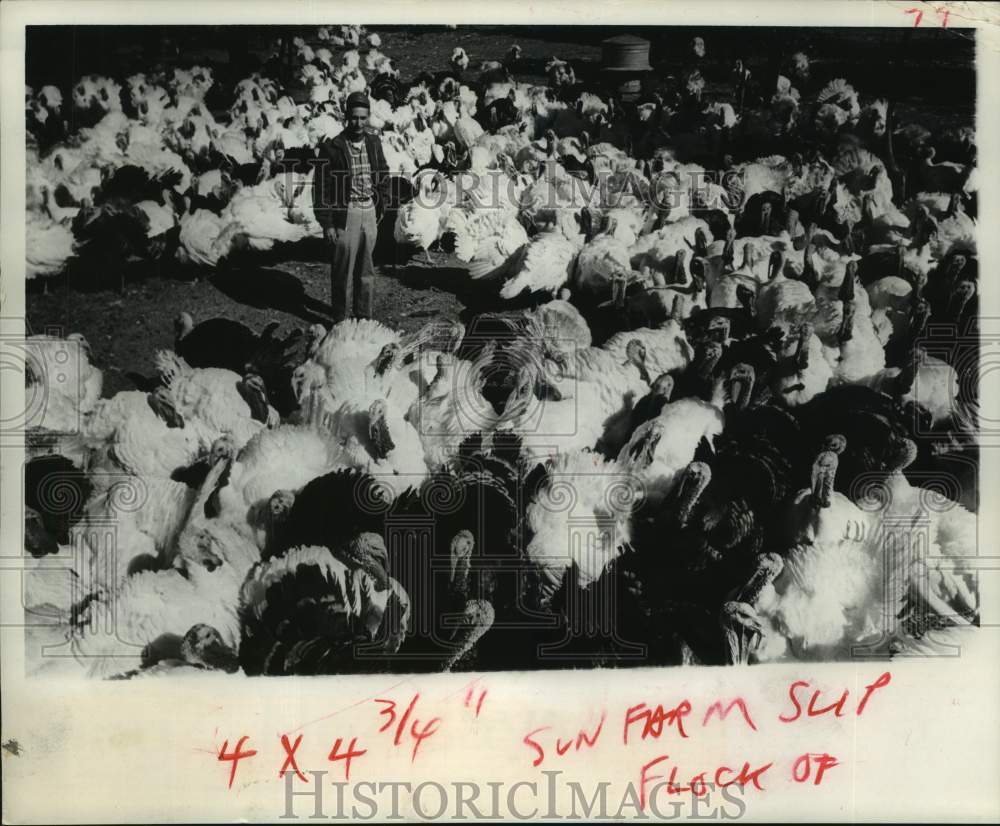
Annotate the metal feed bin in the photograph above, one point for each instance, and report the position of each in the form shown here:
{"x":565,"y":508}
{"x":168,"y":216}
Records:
{"x":624,"y":65}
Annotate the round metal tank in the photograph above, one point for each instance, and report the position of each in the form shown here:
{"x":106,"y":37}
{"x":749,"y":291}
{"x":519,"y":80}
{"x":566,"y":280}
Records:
{"x":625,"y":53}
{"x":624,"y":64}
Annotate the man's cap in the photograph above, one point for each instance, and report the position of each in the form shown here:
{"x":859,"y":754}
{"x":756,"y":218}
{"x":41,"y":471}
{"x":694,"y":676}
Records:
{"x":357,"y":100}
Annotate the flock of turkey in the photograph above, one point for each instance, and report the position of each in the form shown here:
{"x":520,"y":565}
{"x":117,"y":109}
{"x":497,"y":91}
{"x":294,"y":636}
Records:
{"x":703,"y":424}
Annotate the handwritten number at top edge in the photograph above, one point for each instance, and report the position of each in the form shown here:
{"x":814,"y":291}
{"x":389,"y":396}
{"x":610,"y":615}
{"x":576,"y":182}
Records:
{"x":919,"y":15}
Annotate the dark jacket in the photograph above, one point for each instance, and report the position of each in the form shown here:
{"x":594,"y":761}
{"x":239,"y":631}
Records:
{"x":332,"y":181}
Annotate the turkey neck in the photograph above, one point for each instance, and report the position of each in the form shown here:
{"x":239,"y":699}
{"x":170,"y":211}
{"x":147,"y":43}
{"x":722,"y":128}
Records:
{"x":744,"y":380}
{"x":729,"y":250}
{"x":378,"y":432}
{"x":768,"y":567}
{"x":692,"y":486}
{"x":846,"y":331}
{"x":679,"y":275}
{"x":823,"y":473}
{"x":777,"y":265}
{"x":707,"y":360}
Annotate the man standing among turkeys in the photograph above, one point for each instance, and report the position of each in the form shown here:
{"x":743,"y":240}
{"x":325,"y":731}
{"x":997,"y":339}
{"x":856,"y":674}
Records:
{"x":348,"y":201}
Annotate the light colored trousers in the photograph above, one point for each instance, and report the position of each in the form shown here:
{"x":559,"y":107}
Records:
{"x":352,"y":274}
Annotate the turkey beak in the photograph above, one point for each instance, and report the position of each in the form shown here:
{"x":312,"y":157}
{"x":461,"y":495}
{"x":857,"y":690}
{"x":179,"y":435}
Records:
{"x":693,"y":484}
{"x":163,"y":406}
{"x":255,"y":395}
{"x":378,"y":430}
{"x":824,"y":470}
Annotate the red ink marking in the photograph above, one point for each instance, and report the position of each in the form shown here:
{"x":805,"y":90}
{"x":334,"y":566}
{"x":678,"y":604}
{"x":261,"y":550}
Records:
{"x":645,"y":778}
{"x":672,"y":787}
{"x":944,"y":21}
{"x":290,"y":757}
{"x":653,"y":720}
{"x":418,"y":734}
{"x":698,"y":782}
{"x":919,"y":16}
{"x":881,"y":682}
{"x":468,"y":698}
{"x":342,"y":710}
{"x":795,"y":702}
{"x":347,"y":756}
{"x":534,"y":745}
{"x":582,"y":737}
{"x":716,"y":708}
{"x":581,"y":740}
{"x":421,"y":735}
{"x":837,"y":708}
{"x":747,"y":777}
{"x":235,"y":756}
{"x":390,"y":712}
{"x":802,"y":769}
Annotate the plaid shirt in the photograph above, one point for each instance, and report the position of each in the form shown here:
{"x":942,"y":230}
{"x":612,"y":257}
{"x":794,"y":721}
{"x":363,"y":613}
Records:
{"x":361,"y":174}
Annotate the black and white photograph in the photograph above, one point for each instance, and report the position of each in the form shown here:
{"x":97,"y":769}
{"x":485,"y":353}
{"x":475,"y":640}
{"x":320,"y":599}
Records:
{"x":408,"y":348}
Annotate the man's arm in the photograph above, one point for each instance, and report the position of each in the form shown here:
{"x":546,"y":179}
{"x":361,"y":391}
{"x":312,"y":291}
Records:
{"x":380,"y":177}
{"x":329,"y":182}
{"x":322,"y":187}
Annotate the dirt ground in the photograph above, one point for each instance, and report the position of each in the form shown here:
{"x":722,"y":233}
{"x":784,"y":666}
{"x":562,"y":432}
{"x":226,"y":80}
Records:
{"x":126,"y":329}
